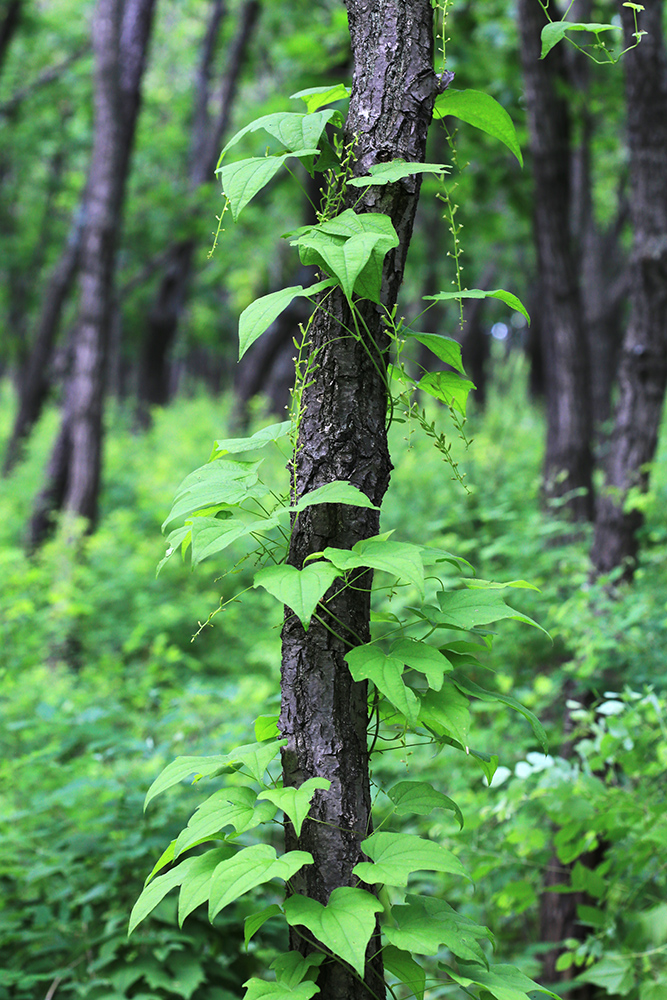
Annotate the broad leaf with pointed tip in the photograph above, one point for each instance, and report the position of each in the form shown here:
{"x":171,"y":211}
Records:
{"x":424,"y":658}
{"x":294,"y":130}
{"x":445,"y":348}
{"x":260,"y":989}
{"x":481,"y":110}
{"x":248,"y":868}
{"x":504,"y":982}
{"x":370,"y":663}
{"x":215,"y":484}
{"x":420,"y":798}
{"x":448,"y":387}
{"x":158,"y":888}
{"x":344,"y":925}
{"x":468,"y":609}
{"x":400,"y":559}
{"x":555,"y":31}
{"x":291,"y":967}
{"x":244,"y":179}
{"x":469,"y":687}
{"x":424,"y":925}
{"x":257,"y":441}
{"x":295,"y":802}
{"x":397,"y":855}
{"x":235,"y":807}
{"x":316,"y":97}
{"x":255,"y":921}
{"x":260,"y":314}
{"x":300,"y":589}
{"x":447,"y":711}
{"x":478,"y":293}
{"x":403,"y":967}
{"x":339,"y":491}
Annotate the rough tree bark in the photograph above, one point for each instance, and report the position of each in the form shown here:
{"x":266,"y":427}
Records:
{"x":643,"y":366}
{"x":568,"y":460}
{"x":167,"y":309}
{"x":121,"y":31}
{"x":343,"y":436}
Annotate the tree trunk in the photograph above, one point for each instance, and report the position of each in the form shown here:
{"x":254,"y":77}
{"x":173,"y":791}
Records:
{"x":165,"y":314}
{"x":568,"y":461}
{"x":643,"y":367}
{"x":9,"y":24}
{"x":120,"y":39}
{"x":343,"y":436}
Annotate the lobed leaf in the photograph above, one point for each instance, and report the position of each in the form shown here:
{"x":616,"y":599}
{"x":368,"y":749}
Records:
{"x":468,"y":609}
{"x":370,"y":663}
{"x":300,"y":589}
{"x":295,"y":802}
{"x":420,"y":798}
{"x":227,"y":807}
{"x":397,"y":855}
{"x":251,"y":867}
{"x":316,"y":97}
{"x":220,"y":482}
{"x":424,"y":658}
{"x":294,"y":130}
{"x":425,"y":925}
{"x":400,"y":559}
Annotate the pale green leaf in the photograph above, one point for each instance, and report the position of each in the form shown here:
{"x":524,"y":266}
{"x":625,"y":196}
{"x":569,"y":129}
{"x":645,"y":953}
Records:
{"x":213,"y":485}
{"x":403,"y":967}
{"x":293,"y":130}
{"x":468,"y":609}
{"x":424,"y":658}
{"x":156,"y":890}
{"x":420,"y":798}
{"x":244,"y":179}
{"x":260,"y":989}
{"x":300,"y":589}
{"x":447,"y":710}
{"x":448,"y":387}
{"x":476,"y":584}
{"x":555,"y":31}
{"x":257,"y":441}
{"x":291,"y":967}
{"x":197,"y":883}
{"x":227,"y":807}
{"x":504,"y":982}
{"x":481,"y":110}
{"x":400,"y":559}
{"x":266,"y":728}
{"x":397,"y":855}
{"x":165,"y":859}
{"x":395,"y":170}
{"x":174,"y":541}
{"x":252,"y":866}
{"x":211,"y":534}
{"x":425,"y":925}
{"x":316,"y":97}
{"x":344,"y":925}
{"x":295,"y":802}
{"x":260,"y":314}
{"x":339,"y":491}
{"x":370,"y":663}
{"x":255,"y":921}
{"x":615,"y":972}
{"x":445,"y":348}
{"x":477,"y":293}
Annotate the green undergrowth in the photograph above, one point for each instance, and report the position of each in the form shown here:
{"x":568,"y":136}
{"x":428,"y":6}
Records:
{"x":102,"y":685}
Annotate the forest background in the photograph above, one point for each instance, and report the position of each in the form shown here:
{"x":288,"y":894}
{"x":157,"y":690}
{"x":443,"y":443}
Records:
{"x":565,"y":476}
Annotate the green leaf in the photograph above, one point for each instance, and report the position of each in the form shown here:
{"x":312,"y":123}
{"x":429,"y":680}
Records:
{"x":470,"y":688}
{"x":156,"y":890}
{"x":447,"y":710}
{"x":481,"y":110}
{"x":467,"y":609}
{"x":425,"y":925}
{"x":316,"y":97}
{"x":220,"y":482}
{"x":400,"y":559}
{"x":266,"y":728}
{"x":260,"y":314}
{"x":476,"y":584}
{"x":252,"y":866}
{"x":165,"y":859}
{"x":424,"y":658}
{"x":445,"y":348}
{"x":403,"y":967}
{"x":448,"y":387}
{"x":174,"y":540}
{"x":255,"y":921}
{"x":477,"y":293}
{"x":255,"y":756}
{"x":244,"y":179}
{"x":259,"y":989}
{"x":211,"y":535}
{"x":344,"y":925}
{"x":615,"y":972}
{"x":395,"y":170}
{"x":259,"y":440}
{"x":300,"y":589}
{"x":555,"y":31}
{"x":197,"y":883}
{"x":339,"y":491}
{"x":295,"y":802}
{"x":502,"y":981}
{"x":397,"y":855}
{"x":370,"y":663}
{"x":293,"y":130}
{"x":228,"y":807}
{"x":420,"y":798}
{"x":291,"y":967}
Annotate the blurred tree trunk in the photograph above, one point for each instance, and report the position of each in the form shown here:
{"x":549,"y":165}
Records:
{"x":342,"y":435}
{"x":121,"y":31}
{"x":10,"y":19}
{"x":643,"y":366}
{"x":206,"y":140}
{"x":568,"y":460}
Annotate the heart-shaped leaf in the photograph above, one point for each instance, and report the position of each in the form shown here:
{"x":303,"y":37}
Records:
{"x":344,"y":925}
{"x":420,"y":798}
{"x":370,"y":663}
{"x":248,"y":868}
{"x":300,"y":589}
{"x":295,"y":802}
{"x":424,"y":658}
{"x":398,"y":855}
